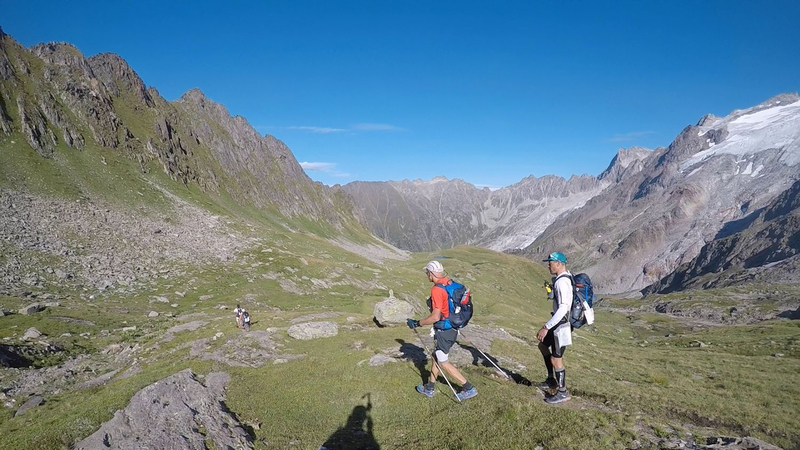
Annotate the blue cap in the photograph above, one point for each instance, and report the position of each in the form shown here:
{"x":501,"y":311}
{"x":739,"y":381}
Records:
{"x":557,"y":256}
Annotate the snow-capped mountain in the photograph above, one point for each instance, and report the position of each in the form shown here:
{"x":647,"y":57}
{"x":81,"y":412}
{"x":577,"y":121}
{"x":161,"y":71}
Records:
{"x":714,"y":174}
{"x":645,"y":215}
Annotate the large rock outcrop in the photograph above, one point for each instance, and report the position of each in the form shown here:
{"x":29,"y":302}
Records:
{"x":176,"y":412}
{"x":392,"y":312}
{"x":313,"y":330}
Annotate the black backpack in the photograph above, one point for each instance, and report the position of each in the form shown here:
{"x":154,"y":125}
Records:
{"x":581,"y":312}
{"x":459,"y":300}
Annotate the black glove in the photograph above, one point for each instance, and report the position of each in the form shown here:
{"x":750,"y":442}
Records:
{"x":412,"y":323}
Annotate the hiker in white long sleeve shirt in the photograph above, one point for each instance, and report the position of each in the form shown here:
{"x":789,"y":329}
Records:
{"x":556,"y":334}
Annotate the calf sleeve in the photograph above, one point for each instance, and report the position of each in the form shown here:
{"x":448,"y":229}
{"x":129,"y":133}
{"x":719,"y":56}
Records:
{"x":549,"y":364}
{"x":561,"y":376}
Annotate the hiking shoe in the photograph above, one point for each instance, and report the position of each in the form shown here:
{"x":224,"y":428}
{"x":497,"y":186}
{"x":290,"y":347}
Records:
{"x":463,"y":395}
{"x":549,"y":383}
{"x":558,"y":397}
{"x":427,"y":392}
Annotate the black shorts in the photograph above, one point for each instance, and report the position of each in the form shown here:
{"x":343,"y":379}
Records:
{"x":550,"y":343}
{"x":445,"y":339}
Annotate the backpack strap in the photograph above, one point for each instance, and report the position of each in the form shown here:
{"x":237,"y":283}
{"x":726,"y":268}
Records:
{"x":444,"y":324}
{"x":565,"y":319}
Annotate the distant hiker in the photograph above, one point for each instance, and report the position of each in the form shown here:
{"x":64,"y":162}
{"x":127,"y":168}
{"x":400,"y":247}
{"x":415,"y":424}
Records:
{"x":444,"y":334}
{"x":246,"y":320}
{"x":238,"y":314}
{"x":556,"y":334}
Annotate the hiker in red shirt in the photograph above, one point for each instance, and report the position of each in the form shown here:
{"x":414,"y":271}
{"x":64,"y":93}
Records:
{"x":444,"y":334}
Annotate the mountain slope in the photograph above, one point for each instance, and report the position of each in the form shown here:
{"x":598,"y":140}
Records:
{"x":93,"y":162}
{"x":419,"y":215}
{"x":766,"y":250}
{"x":440,"y":213}
{"x":54,"y":96}
{"x":717,"y":171}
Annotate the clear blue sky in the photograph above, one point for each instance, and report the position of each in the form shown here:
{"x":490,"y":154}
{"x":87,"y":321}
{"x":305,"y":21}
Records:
{"x":489,"y":92}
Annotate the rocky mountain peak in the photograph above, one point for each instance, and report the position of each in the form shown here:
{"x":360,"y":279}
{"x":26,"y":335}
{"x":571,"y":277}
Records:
{"x":194,"y":96}
{"x":59,"y":53}
{"x":625,"y":162}
{"x":118,"y":76}
{"x":785,"y":98}
{"x":432,"y":181}
{"x":707,"y":120}
{"x":780,"y":100}
{"x":197,"y":101}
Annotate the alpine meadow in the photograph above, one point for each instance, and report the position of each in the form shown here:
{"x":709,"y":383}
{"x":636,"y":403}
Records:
{"x":132,"y":227}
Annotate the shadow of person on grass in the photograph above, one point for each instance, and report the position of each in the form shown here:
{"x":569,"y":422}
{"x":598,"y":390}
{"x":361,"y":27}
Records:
{"x":357,"y":433}
{"x":479,"y":360}
{"x":415,"y":354}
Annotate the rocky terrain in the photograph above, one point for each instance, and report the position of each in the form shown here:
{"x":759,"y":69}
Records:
{"x":55,"y":97}
{"x":50,"y":243}
{"x":766,"y":249}
{"x":177,"y":412}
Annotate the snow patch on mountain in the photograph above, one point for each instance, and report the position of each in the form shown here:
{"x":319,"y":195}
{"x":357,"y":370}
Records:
{"x":752,"y":132}
{"x":530,"y":218}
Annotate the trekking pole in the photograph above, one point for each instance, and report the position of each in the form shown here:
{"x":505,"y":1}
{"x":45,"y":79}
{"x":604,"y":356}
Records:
{"x":437,"y":364}
{"x":484,"y":355}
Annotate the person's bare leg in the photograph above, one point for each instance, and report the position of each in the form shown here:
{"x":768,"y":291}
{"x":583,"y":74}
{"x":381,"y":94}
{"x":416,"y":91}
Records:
{"x":434,"y":371}
{"x":454,"y":372}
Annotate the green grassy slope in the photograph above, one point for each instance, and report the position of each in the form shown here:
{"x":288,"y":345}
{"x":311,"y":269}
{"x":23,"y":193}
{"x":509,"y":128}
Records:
{"x":630,"y":374}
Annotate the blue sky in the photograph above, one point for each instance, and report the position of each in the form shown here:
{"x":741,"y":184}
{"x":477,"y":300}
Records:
{"x":489,"y":92}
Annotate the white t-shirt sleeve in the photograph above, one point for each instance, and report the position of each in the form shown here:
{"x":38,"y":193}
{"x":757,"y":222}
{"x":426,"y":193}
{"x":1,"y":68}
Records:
{"x":563,"y":288}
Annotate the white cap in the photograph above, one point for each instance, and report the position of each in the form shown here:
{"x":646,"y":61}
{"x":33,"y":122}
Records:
{"x":435,"y":267}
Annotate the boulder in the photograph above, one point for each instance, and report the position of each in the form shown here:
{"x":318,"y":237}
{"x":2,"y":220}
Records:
{"x":63,"y":275}
{"x":392,"y":312}
{"x":31,"y":333}
{"x":152,"y":314}
{"x":33,"y":308}
{"x":313,"y":330}
{"x":176,"y":412}
{"x":30,"y":404}
{"x":98,"y":381}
